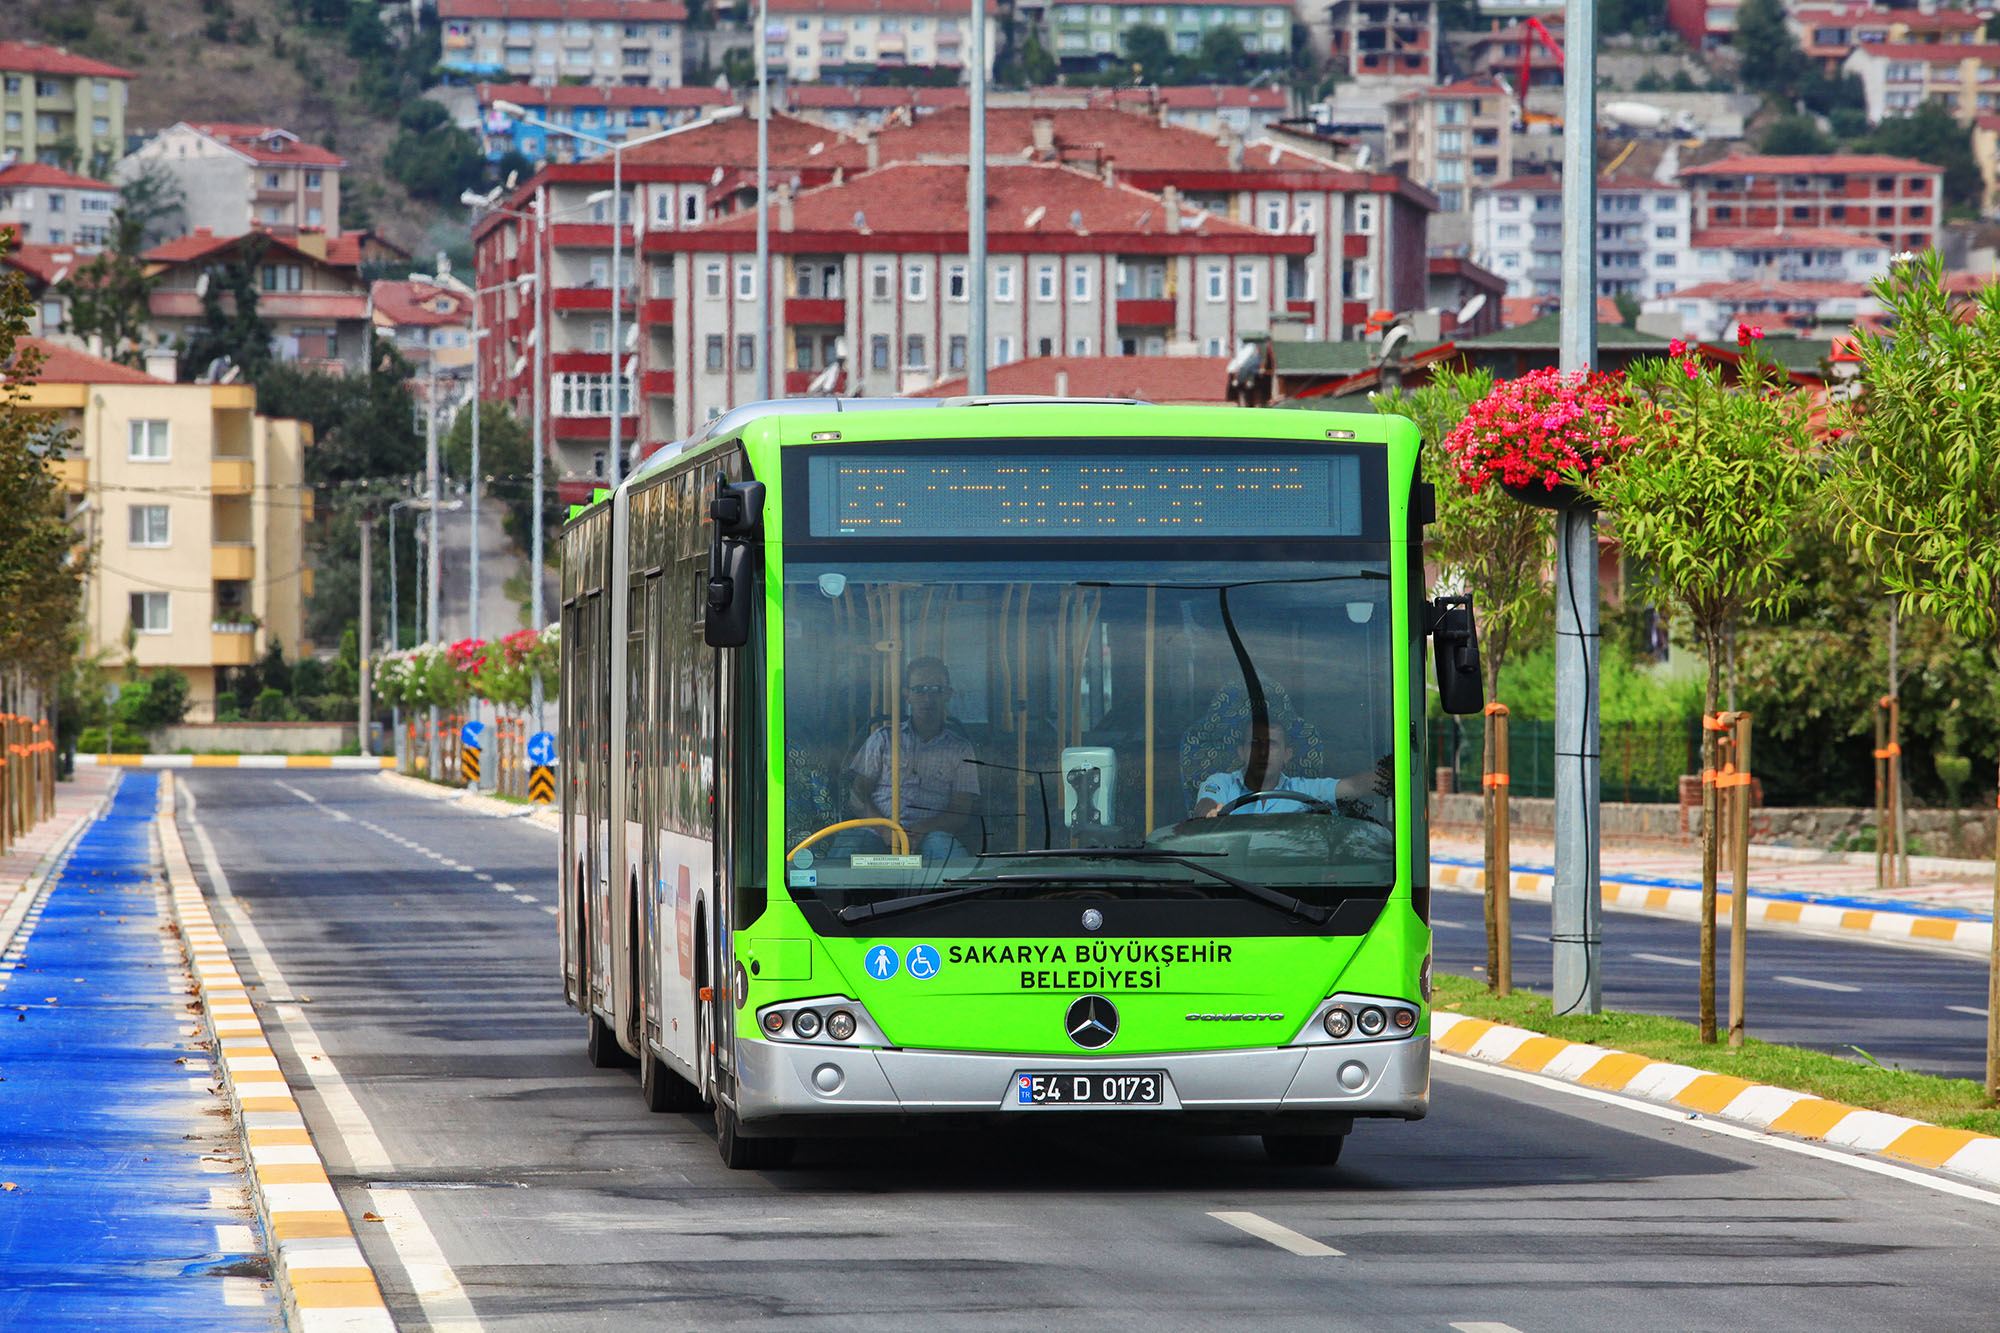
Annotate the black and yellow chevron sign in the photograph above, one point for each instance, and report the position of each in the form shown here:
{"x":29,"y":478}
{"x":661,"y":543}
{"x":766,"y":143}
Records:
{"x":468,"y":762}
{"x":542,"y":785}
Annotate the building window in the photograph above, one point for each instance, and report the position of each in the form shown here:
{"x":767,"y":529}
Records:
{"x":711,"y":280}
{"x":878,"y":352}
{"x":1003,"y":282}
{"x":147,"y":442}
{"x":955,"y":284}
{"x":956,"y":353}
{"x":914,"y":352}
{"x":1045,"y":282}
{"x":150,"y":613}
{"x":281,"y":278}
{"x":878,"y":282}
{"x":746,"y":280}
{"x":1246,"y":282}
{"x":1215,"y":282}
{"x":715,"y":352}
{"x":746,"y":351}
{"x":148,"y":525}
{"x":1079,"y":347}
{"x":1003,"y":350}
{"x":916,"y":282}
{"x":1079,"y":282}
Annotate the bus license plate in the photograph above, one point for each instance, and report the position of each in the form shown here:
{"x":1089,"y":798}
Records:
{"x":1124,"y":1088}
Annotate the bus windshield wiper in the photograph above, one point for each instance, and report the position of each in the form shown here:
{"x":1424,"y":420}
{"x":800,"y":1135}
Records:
{"x":971,"y":888}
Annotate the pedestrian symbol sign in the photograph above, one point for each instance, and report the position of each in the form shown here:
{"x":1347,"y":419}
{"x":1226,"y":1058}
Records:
{"x":922,"y":962}
{"x":542,"y":750}
{"x":882,"y":962}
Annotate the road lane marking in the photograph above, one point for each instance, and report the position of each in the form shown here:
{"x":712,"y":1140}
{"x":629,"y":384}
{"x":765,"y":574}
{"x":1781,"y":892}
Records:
{"x":1974,"y":1010}
{"x":1450,"y":925}
{"x":308,"y":797}
{"x":550,"y":910}
{"x":1811,"y":984}
{"x":1476,"y":1326}
{"x":1263,"y":1228}
{"x":1709,"y":1125}
{"x":444,"y":1301}
{"x":524,"y":897}
{"x":1667,"y":958}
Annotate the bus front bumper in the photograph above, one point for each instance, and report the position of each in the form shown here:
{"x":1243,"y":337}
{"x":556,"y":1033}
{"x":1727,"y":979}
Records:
{"x":1266,"y":1089}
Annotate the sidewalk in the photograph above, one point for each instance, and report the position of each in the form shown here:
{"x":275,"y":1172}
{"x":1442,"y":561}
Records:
{"x":1947,"y":902}
{"x":123,"y":1197}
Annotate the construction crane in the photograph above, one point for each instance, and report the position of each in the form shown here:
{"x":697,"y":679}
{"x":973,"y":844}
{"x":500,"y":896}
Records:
{"x":1531,"y":32}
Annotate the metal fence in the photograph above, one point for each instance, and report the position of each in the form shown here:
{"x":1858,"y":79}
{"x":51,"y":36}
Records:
{"x":1642,"y":761}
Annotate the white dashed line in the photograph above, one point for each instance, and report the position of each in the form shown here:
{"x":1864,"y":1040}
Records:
{"x":550,"y":910}
{"x":524,"y":897}
{"x":1263,"y":1228}
{"x":482,"y":877}
{"x":1811,"y":984}
{"x":1974,"y":1010}
{"x":1667,"y":959}
{"x":1477,"y":1326}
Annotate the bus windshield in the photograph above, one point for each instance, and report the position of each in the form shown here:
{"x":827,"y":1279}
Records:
{"x":1149,"y":726}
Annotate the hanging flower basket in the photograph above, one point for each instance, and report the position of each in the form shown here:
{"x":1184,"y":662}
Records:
{"x":1542,"y":437}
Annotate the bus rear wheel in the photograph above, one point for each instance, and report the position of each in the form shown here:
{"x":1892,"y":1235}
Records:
{"x":741,"y":1154}
{"x":663,"y":1089}
{"x":1304,"y":1149}
{"x":602,"y":1046}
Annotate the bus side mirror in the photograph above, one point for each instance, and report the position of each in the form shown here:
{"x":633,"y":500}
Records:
{"x":738,"y":515}
{"x":1455,"y":645}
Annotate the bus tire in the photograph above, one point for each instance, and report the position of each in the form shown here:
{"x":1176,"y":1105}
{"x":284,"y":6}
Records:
{"x":1304,"y":1149}
{"x":602,"y":1046}
{"x":741,"y":1154}
{"x":663,"y":1088}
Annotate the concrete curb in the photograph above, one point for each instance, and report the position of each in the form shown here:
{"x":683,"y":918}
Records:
{"x":238,"y":760}
{"x":324,"y":1282}
{"x":473,"y":802}
{"x":1960,"y":1151}
{"x":1944,"y":929}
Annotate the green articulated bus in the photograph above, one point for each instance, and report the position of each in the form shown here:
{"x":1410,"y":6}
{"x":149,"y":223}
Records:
{"x":1004,"y":759}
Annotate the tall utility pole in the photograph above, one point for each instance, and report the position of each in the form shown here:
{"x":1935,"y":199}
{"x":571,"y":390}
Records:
{"x":367,"y":525}
{"x":472,"y":482}
{"x":975,"y":210}
{"x":617,"y":299}
{"x":431,"y":560}
{"x":541,"y":419}
{"x":1576,"y":926}
{"x":766,"y":344}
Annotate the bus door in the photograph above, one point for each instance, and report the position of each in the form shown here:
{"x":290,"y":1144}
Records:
{"x":571,"y":933}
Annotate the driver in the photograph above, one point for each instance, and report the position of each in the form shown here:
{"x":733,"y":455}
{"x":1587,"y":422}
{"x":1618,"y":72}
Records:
{"x":940,"y":785}
{"x":1219,"y":789}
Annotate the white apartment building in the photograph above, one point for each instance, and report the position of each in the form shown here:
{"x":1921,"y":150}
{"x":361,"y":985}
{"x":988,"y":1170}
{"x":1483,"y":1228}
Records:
{"x":1787,"y":255}
{"x":46,"y":205}
{"x":830,"y":41}
{"x":633,"y":43}
{"x":1645,"y":236}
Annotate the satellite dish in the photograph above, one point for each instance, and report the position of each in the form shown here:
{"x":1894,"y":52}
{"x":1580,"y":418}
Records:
{"x":631,"y":336}
{"x":1471,"y":308}
{"x":444,"y":265}
{"x":1035,"y":215}
{"x":1076,"y":219}
{"x":201,"y":285}
{"x":1396,"y":338}
{"x":512,"y":176}
{"x":715,"y":177}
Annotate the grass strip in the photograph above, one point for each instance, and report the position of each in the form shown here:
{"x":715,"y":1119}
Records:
{"x":1956,"y":1103}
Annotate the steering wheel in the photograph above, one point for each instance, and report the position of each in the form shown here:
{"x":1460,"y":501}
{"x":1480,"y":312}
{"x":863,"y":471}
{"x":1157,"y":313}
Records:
{"x":1312,"y":803}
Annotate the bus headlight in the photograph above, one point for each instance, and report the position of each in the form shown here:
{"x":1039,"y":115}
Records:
{"x":840,"y":1025}
{"x":1338,"y":1022}
{"x":822,"y":1021}
{"x":1371,"y":1022}
{"x":1356,"y":1018}
{"x":806,"y":1023}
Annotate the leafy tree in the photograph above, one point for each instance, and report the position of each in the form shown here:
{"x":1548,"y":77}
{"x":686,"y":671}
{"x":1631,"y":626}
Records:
{"x":109,"y":295}
{"x":432,"y":158}
{"x":1037,"y":64}
{"x":1794,"y":136}
{"x":1221,"y":57}
{"x":1710,"y":498}
{"x":1917,"y":479}
{"x":1771,"y":59}
{"x":1931,"y":134}
{"x":40,"y":576}
{"x":364,"y":426}
{"x":160,"y":700}
{"x":1628,"y":309}
{"x":1149,"y":48}
{"x":506,"y":461}
{"x":231,"y":326}
{"x":739,"y":67}
{"x":154,"y":199}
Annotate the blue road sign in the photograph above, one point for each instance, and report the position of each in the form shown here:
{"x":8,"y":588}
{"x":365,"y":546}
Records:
{"x":882,"y":962}
{"x":922,"y":962}
{"x":470,"y":733}
{"x":542,"y":750}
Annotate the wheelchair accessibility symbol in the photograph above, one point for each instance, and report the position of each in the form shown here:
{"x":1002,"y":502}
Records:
{"x":922,"y":962}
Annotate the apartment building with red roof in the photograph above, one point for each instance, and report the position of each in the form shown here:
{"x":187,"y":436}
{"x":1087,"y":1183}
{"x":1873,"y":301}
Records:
{"x":1898,"y":201}
{"x":60,"y":109}
{"x":627,"y":43}
{"x":1827,"y":34}
{"x":839,"y":41}
{"x":1705,"y":25}
{"x":610,"y":113}
{"x":1899,"y":77}
{"x":1788,"y":254}
{"x":1710,"y":311}
{"x":311,"y":294}
{"x":1453,"y":139}
{"x":1151,"y":379}
{"x":44,"y":205}
{"x":236,"y":177}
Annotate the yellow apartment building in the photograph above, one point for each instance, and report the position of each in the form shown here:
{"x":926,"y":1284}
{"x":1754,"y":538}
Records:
{"x":195,"y":508}
{"x":59,"y":109}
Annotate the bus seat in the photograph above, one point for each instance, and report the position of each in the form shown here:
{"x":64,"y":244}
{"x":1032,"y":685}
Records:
{"x":1210,"y":745}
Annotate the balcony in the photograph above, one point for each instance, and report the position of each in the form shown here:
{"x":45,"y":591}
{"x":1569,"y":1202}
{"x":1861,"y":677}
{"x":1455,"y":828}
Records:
{"x":656,"y":383}
{"x":1145,"y":312}
{"x":232,"y":560}
{"x":588,"y":299}
{"x":231,"y":476}
{"x":1354,"y":312}
{"x":815,"y":310}
{"x":799,"y":382}
{"x":658,"y":310}
{"x":1307,"y":308}
{"x":1354,"y":245}
{"x":232,"y":645}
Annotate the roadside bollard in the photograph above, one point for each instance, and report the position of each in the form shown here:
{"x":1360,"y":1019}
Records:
{"x":1738,"y":784}
{"x":1713,"y":728}
{"x":1495,"y":782}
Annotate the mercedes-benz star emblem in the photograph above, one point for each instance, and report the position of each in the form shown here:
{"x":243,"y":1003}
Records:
{"x":1092,"y":1022}
{"x":1092,"y":918}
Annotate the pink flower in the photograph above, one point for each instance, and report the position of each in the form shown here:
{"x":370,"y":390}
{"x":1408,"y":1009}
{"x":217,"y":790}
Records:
{"x":1690,"y":368}
{"x":1677,"y":348}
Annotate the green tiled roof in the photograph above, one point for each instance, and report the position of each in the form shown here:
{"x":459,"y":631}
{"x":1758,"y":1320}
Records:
{"x":1546,"y":331}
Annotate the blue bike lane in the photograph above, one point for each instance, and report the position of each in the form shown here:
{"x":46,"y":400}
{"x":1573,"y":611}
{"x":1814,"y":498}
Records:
{"x":123,"y":1197}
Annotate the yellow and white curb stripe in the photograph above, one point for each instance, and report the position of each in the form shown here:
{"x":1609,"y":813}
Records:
{"x":325,"y":1284}
{"x":368,"y":762}
{"x":1905,"y":927}
{"x":1723,"y":1096}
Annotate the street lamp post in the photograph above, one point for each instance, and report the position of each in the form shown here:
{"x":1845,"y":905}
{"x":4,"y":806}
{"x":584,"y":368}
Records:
{"x":617,"y":151}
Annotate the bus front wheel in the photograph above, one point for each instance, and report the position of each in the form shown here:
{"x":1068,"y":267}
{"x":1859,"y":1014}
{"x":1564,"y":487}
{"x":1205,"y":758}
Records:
{"x":663,"y":1089}
{"x":741,"y":1154}
{"x":1304,"y":1149}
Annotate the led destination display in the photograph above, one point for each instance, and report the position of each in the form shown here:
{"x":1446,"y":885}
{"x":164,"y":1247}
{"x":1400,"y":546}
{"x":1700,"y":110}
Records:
{"x":1094,"y":495}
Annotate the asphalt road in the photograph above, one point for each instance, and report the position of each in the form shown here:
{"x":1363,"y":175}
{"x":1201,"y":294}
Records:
{"x":1912,"y":1008}
{"x":498,"y":1181}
